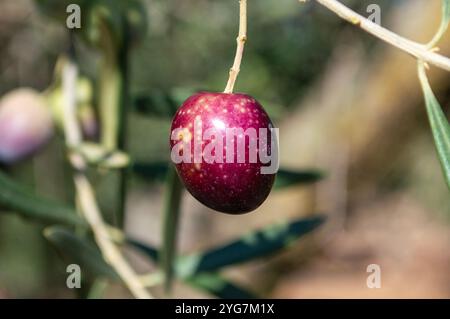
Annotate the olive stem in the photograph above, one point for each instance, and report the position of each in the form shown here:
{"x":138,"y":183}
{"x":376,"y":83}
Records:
{"x":84,"y":190}
{"x":172,"y":205}
{"x":417,"y":50}
{"x":110,"y":89}
{"x":241,"y":39}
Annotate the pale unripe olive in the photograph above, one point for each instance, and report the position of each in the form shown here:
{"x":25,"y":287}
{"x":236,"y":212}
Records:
{"x":26,"y":124}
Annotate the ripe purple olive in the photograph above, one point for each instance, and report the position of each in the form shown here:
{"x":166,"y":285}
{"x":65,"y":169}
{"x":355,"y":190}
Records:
{"x":219,"y":144}
{"x":26,"y":124}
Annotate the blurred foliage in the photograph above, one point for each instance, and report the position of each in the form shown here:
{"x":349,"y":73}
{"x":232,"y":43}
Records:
{"x":156,"y":171}
{"x":179,"y":47}
{"x":251,"y":246}
{"x":81,"y":252}
{"x":199,"y":269}
{"x":219,"y":287}
{"x":115,"y":13}
{"x":16,"y":198}
{"x":288,"y":46}
{"x":160,"y":101}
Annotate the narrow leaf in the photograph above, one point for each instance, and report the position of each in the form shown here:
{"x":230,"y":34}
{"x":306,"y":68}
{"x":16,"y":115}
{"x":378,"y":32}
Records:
{"x":170,"y":227}
{"x":440,"y":126}
{"x":219,"y":287}
{"x":148,"y":250}
{"x":445,"y":20}
{"x":79,"y":251}
{"x":446,"y":11}
{"x":210,"y":282}
{"x":164,"y":104}
{"x":286,"y":178}
{"x":254,"y":245}
{"x":17,"y":199}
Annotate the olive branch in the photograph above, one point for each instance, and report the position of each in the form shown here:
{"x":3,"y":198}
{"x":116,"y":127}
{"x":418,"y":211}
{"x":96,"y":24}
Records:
{"x":425,"y":54}
{"x":198,"y":269}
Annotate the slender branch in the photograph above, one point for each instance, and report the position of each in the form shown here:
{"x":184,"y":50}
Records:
{"x":437,"y":37}
{"x":85,"y":193}
{"x":110,"y":251}
{"x":122,"y":128}
{"x":241,"y":39}
{"x":415,"y":49}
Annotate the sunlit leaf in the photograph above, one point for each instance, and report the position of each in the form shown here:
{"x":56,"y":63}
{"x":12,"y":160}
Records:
{"x":440,"y":126}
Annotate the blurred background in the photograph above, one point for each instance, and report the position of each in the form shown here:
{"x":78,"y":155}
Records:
{"x":346,"y":104}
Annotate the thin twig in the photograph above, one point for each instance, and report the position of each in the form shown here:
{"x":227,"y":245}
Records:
{"x":110,"y":251}
{"x":123,"y":57}
{"x":85,"y":193}
{"x":241,"y":39}
{"x":415,"y":49}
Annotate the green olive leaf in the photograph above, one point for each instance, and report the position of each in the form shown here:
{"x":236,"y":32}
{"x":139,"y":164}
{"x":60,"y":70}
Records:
{"x":16,"y":198}
{"x":440,"y":126}
{"x":251,"y":246}
{"x":445,"y":20}
{"x":219,"y":287}
{"x":156,"y":171}
{"x":81,"y":252}
{"x":254,"y":245}
{"x":287,"y":177}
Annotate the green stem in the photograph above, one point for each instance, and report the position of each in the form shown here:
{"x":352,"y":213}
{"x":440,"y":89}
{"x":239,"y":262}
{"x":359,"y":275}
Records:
{"x":98,"y":288}
{"x":123,"y":122}
{"x":113,"y":104}
{"x":110,"y":87}
{"x":15,"y":198}
{"x":171,"y":218}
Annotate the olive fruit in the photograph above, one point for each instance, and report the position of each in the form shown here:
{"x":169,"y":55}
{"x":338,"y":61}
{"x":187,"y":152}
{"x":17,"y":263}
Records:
{"x":26,"y":124}
{"x":220,"y":143}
